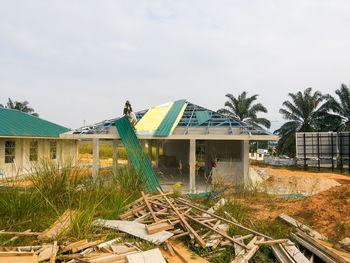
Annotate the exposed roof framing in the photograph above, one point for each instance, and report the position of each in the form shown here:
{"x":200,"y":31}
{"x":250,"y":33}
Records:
{"x":188,"y":121}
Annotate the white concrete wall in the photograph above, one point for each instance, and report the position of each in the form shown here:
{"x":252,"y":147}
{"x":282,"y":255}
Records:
{"x":67,"y":150}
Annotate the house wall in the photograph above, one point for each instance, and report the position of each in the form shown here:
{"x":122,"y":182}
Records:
{"x":67,"y":150}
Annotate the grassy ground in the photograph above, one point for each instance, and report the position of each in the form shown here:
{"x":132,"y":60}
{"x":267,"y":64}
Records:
{"x":60,"y":187}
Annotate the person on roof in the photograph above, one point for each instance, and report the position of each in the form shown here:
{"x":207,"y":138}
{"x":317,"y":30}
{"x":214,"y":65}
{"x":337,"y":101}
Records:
{"x":127,"y":108}
{"x":128,"y":112}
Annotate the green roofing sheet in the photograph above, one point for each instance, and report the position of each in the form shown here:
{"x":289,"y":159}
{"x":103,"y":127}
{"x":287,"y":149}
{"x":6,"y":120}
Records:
{"x":136,"y":154}
{"x":17,"y":123}
{"x":202,"y":116}
{"x":167,"y":123}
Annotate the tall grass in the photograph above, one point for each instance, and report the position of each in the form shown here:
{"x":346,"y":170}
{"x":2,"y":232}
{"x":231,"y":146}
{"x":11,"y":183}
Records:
{"x":57,"y":187}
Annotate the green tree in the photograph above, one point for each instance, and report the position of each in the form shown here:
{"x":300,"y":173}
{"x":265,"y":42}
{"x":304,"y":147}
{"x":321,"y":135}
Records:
{"x":243,"y":109}
{"x":21,"y":106}
{"x":306,"y":112}
{"x":340,"y":108}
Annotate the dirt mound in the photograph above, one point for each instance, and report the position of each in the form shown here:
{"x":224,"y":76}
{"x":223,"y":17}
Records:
{"x":305,"y":185}
{"x":328,"y":212}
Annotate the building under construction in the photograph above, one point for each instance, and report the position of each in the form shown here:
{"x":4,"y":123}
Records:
{"x":179,"y":128}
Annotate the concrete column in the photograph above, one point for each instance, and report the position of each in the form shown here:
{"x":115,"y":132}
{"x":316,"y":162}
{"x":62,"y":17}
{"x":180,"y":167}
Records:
{"x":95,"y":157}
{"x":157,"y":153}
{"x":206,"y":158}
{"x":245,"y":161}
{"x":143,"y":144}
{"x":115,"y":157}
{"x":150,"y":150}
{"x":192,"y":162}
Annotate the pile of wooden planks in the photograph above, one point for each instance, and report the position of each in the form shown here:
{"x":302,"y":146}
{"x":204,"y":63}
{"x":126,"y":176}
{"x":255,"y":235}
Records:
{"x":180,"y":217}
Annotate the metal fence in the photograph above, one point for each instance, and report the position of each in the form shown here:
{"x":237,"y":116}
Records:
{"x":323,"y":149}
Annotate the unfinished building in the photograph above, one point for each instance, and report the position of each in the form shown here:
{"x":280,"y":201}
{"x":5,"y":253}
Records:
{"x":199,"y":146}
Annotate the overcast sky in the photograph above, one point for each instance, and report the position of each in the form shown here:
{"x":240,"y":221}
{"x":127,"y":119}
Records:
{"x":80,"y":60}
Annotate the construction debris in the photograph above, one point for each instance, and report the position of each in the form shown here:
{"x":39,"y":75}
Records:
{"x":135,"y":229}
{"x":61,"y":225}
{"x":161,"y":218}
{"x":301,"y":226}
{"x":149,"y":256}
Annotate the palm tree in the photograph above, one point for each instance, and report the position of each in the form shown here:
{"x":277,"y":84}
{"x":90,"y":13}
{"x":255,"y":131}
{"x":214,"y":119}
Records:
{"x":21,"y":106}
{"x":341,"y":108}
{"x":306,"y":112}
{"x":243,"y":109}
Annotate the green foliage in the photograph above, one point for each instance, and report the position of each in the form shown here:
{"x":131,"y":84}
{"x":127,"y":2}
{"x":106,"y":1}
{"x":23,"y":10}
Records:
{"x":341,"y":107}
{"x":305,"y":112}
{"x":243,"y":109}
{"x":21,"y":106}
{"x":58,"y":187}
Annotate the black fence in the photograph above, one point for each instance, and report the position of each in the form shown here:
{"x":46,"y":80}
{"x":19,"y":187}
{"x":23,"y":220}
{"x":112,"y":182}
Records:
{"x":323,"y":149}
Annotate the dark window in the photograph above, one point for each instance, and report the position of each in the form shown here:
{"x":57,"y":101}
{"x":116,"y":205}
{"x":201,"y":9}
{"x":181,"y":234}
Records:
{"x":53,"y":149}
{"x":260,"y":155}
{"x":33,"y":151}
{"x":10,"y":151}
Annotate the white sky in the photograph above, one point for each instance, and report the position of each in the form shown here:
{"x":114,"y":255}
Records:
{"x":79,"y":60}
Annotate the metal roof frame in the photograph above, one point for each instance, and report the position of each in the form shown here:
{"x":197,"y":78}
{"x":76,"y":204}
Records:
{"x":188,"y":121}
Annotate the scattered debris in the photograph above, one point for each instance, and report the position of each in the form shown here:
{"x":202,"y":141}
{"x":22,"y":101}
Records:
{"x":301,"y":226}
{"x":149,"y":256}
{"x":61,"y":225}
{"x":135,"y":229}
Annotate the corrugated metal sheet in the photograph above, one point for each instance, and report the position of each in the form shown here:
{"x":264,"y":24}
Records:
{"x":136,"y":154}
{"x":165,"y":127}
{"x":202,"y":116}
{"x":17,"y":123}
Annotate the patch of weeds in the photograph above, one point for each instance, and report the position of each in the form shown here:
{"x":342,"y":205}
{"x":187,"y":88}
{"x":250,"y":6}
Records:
{"x":275,"y":228}
{"x":264,"y":254}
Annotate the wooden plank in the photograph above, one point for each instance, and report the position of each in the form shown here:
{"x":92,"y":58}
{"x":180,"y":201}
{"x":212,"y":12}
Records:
{"x":216,"y":231}
{"x":271,"y":242}
{"x":61,"y":225}
{"x":159,"y":226}
{"x":149,"y":256}
{"x":15,"y":237}
{"x":87,"y":245}
{"x":149,"y":207}
{"x":21,"y":233}
{"x":295,"y":253}
{"x":223,"y":219}
{"x":15,"y":257}
{"x":281,"y":254}
{"x":53,"y":252}
{"x":318,"y":249}
{"x":74,"y":245}
{"x":135,"y":229}
{"x":107,"y":243}
{"x":131,"y":212}
{"x":301,"y":226}
{"x":183,"y":220}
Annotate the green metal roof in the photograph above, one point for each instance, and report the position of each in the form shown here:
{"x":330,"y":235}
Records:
{"x":17,"y":123}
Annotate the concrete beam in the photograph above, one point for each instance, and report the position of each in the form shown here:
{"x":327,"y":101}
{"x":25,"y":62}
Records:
{"x":95,"y":158}
{"x":115,"y":157}
{"x":176,"y":137}
{"x":192,"y":163}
